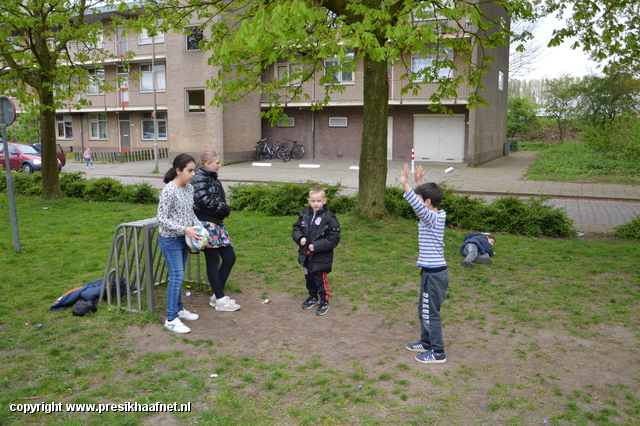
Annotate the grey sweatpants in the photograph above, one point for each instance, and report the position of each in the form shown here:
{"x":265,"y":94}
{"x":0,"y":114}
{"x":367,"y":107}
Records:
{"x":433,"y":291}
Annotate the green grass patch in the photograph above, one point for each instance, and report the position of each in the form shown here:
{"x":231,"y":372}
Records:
{"x":576,"y":162}
{"x":573,"y":287}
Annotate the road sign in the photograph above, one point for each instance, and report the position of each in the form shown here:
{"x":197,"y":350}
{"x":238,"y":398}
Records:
{"x":8,"y":111}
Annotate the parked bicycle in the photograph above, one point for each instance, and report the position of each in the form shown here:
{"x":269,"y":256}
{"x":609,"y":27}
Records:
{"x":282,"y":150}
{"x":297,"y":151}
{"x":263,"y":150}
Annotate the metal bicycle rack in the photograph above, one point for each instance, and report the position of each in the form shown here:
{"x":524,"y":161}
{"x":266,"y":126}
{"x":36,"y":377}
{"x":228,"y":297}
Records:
{"x":136,"y":264}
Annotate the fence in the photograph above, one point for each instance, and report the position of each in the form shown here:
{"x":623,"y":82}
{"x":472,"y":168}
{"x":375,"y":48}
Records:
{"x":122,"y":157}
{"x":136,"y":264}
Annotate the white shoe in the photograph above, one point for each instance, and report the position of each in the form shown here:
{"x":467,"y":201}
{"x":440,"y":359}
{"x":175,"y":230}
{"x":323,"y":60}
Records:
{"x":176,"y":326}
{"x":213,"y":299}
{"x":226,"y":305}
{"x":186,"y":315}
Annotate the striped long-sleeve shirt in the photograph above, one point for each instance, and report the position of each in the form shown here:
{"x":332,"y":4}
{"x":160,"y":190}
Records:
{"x":430,"y":233}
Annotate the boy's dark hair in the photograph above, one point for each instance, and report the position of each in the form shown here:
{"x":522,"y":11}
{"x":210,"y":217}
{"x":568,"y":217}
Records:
{"x":430,"y":191}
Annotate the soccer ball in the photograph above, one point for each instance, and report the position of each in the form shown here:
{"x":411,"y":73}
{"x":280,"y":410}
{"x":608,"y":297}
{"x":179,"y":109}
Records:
{"x":199,"y":245}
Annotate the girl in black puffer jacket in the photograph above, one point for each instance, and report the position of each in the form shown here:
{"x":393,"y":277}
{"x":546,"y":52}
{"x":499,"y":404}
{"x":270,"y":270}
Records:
{"x":211,"y":208}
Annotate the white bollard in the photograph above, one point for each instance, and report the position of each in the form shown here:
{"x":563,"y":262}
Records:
{"x":261,"y":164}
{"x":310,"y":166}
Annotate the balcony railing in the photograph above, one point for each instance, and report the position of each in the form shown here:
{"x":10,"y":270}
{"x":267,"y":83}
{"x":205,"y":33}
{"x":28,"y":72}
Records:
{"x":115,"y":49}
{"x":352,"y":94}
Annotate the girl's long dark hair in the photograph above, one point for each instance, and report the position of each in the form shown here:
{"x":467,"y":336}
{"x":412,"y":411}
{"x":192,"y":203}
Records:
{"x":179,"y":163}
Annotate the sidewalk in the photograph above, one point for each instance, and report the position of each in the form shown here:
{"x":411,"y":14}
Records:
{"x":498,"y":177}
{"x":594,"y":207}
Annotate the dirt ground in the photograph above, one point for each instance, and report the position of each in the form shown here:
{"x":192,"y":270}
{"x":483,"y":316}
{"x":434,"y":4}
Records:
{"x":540,"y":362}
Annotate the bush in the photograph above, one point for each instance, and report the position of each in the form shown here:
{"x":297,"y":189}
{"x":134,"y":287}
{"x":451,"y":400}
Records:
{"x":139,"y":193}
{"x":103,"y":189}
{"x":511,"y":214}
{"x":342,"y":204}
{"x":274,"y":199}
{"x":76,"y":186}
{"x":629,"y":230}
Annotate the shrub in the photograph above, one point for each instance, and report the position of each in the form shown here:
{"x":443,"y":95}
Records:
{"x":103,"y":189}
{"x":629,"y":230}
{"x":274,"y":199}
{"x":139,"y":193}
{"x":341,"y":204}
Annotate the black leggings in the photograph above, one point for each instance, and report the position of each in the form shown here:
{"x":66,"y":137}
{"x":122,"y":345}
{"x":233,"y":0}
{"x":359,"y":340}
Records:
{"x":217,"y":273}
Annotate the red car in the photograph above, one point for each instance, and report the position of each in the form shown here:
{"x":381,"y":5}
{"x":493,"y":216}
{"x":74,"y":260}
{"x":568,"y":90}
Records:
{"x":27,"y":157}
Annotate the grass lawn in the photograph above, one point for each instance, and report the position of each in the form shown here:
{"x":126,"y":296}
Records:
{"x":575,"y":162}
{"x":552,"y":305}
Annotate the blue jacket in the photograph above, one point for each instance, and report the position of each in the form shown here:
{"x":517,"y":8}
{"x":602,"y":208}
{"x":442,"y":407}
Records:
{"x":89,"y":292}
{"x":480,"y":240}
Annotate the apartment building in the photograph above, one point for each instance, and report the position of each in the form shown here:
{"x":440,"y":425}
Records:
{"x":167,"y":80}
{"x":472,"y":136}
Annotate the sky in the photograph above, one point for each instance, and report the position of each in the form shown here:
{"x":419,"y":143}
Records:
{"x":561,"y":59}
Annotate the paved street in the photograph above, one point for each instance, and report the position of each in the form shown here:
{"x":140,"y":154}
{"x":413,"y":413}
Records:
{"x":594,"y":207}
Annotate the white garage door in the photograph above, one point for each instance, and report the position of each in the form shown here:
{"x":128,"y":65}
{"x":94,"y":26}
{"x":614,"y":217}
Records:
{"x":439,"y":139}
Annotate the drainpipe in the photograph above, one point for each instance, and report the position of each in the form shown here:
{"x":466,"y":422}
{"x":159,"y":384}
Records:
{"x":313,"y":134}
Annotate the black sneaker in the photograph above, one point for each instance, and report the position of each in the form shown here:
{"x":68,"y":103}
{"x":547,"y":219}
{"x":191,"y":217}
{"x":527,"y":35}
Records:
{"x":310,"y":302}
{"x":483,"y":260}
{"x":467,"y":264}
{"x":323,"y":308}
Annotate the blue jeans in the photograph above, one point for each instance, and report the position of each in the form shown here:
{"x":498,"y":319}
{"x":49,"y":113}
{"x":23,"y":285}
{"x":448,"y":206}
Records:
{"x":175,"y":252}
{"x":433,"y":291}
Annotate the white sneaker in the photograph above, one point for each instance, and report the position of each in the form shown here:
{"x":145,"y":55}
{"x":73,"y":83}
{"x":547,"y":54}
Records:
{"x":213,"y":299}
{"x":176,"y":326}
{"x":226,"y":305}
{"x":186,"y":315}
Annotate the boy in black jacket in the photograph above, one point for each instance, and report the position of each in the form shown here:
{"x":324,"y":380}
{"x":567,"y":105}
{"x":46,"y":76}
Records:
{"x":317,"y":232}
{"x":477,"y":248}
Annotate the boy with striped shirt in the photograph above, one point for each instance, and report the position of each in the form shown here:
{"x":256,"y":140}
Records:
{"x":434,"y":274}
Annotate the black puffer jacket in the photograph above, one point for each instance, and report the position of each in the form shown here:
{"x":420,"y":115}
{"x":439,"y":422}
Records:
{"x":324,"y":235}
{"x":209,"y":203}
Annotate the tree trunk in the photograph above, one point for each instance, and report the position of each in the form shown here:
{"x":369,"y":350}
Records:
{"x":373,"y":151}
{"x":50,"y":176}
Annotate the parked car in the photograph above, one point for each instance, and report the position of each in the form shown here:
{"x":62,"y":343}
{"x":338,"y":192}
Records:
{"x":62,"y":157}
{"x":26,"y":157}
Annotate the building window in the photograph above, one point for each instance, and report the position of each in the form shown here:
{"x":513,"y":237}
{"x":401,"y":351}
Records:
{"x":64,"y":126}
{"x":419,"y":64}
{"x":287,"y":122}
{"x":500,"y":80}
{"x":193,"y":38}
{"x":337,"y":121}
{"x":96,"y":81}
{"x":146,"y":80}
{"x":98,"y":126}
{"x":147,"y":125}
{"x":285,"y":70}
{"x":145,"y":38}
{"x":195,"y":100}
{"x":332,"y":68}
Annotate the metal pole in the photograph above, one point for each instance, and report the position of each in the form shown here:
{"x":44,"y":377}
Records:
{"x":10,"y":190}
